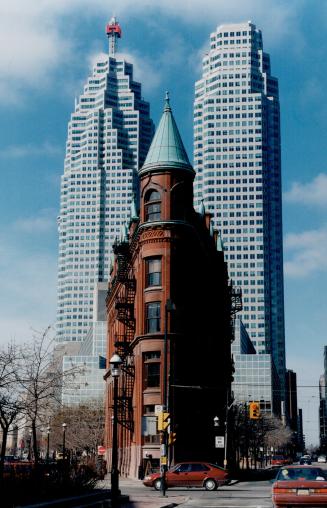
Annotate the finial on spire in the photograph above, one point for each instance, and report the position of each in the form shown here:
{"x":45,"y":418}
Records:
{"x":167,"y":103}
{"x":113,"y":31}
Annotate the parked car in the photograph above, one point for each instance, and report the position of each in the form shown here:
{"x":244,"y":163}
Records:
{"x":280,"y":460}
{"x":306,"y":459}
{"x":299,"y":486}
{"x":321,"y":458}
{"x":190,"y":474}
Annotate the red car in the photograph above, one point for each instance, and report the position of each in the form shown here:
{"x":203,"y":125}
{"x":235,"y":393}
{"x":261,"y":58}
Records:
{"x":300,"y":486}
{"x":190,"y":474}
{"x":280,"y":460}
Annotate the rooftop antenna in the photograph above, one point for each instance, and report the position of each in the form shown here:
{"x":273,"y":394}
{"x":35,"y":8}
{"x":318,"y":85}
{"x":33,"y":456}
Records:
{"x":113,"y":31}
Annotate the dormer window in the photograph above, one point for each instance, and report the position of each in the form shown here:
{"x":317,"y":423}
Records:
{"x":152,"y":204}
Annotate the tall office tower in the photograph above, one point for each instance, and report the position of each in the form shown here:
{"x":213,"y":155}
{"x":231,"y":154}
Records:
{"x":238,"y":165}
{"x":109,"y":134}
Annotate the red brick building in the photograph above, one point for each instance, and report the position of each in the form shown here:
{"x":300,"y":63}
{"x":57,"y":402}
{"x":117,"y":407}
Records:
{"x":169,"y":315}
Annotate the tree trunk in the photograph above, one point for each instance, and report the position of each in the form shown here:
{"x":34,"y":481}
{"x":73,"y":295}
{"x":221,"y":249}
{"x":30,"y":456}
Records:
{"x":35,"y":448}
{"x":3,"y":450}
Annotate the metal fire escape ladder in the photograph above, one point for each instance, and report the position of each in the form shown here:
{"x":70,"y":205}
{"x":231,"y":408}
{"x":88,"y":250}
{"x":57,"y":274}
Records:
{"x":235,"y":294}
{"x":124,"y":307}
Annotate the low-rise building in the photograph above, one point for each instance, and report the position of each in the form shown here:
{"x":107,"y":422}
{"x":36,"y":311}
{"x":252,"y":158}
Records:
{"x":169,"y":316}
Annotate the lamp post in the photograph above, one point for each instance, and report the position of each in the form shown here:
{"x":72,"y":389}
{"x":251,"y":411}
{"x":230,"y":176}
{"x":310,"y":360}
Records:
{"x":228,"y":407}
{"x":169,"y":306}
{"x":64,"y":425}
{"x":115,"y":363}
{"x":48,"y":441}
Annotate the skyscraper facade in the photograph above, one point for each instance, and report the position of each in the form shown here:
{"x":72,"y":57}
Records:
{"x":238,"y":176}
{"x":109,"y":134}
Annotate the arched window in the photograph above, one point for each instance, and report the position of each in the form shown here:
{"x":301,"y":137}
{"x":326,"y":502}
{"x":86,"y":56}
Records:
{"x":152,"y":206}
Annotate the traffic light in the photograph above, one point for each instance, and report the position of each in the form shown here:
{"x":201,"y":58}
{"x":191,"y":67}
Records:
{"x":163,"y":421}
{"x":254,"y":410}
{"x":172,"y":438}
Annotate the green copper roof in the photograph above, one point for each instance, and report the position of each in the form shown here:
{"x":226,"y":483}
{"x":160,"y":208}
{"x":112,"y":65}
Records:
{"x":202,"y":209}
{"x":167,"y":149}
{"x":133,"y":213}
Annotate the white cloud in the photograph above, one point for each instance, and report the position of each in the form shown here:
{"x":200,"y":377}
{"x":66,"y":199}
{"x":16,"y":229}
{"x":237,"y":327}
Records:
{"x":306,"y":253}
{"x":20,"y":151}
{"x":43,"y":223}
{"x":311,"y":193}
{"x":35,"y":38}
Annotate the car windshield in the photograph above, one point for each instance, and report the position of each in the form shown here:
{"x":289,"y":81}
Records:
{"x":299,"y":473}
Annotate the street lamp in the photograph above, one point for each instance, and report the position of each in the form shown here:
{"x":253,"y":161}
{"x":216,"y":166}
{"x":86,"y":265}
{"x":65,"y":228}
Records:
{"x":64,"y":425}
{"x":115,"y":363}
{"x":48,"y":441}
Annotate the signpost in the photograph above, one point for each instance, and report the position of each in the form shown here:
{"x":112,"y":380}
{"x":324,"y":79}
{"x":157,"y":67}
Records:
{"x":101,"y":450}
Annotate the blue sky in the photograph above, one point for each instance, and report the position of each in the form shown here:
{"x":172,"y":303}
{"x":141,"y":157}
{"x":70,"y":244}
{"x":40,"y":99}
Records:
{"x":46,"y":53}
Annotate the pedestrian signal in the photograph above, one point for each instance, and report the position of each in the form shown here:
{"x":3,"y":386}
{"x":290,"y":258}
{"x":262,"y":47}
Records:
{"x":254,"y":410}
{"x":172,"y":438}
{"x":163,"y":421}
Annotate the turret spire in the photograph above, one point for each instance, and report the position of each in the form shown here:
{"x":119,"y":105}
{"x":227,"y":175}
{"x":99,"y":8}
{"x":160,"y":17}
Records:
{"x":167,"y":149}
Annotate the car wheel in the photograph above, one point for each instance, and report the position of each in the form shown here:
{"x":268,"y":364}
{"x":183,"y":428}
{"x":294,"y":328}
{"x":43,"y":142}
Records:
{"x":157,"y":484}
{"x":210,"y":484}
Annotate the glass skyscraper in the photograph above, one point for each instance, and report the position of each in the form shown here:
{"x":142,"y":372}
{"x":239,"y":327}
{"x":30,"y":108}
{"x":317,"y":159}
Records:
{"x":238,"y":165}
{"x":109,"y":134}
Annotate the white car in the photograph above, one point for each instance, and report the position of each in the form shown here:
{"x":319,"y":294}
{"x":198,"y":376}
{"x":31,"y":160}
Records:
{"x":321,"y":458}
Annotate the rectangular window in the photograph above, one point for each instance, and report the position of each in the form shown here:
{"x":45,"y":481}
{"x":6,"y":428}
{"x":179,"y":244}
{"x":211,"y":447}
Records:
{"x":153,"y":212}
{"x":152,"y":369}
{"x":152,"y":313}
{"x":153,"y":272}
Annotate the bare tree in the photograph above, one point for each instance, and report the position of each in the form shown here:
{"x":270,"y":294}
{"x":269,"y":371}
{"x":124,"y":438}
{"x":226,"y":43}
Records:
{"x":276,"y":434}
{"x":10,"y":396}
{"x":250,"y":436}
{"x":85,"y":427}
{"x":41,"y":378}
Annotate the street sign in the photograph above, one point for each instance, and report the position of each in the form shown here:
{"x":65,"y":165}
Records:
{"x":219,"y":441}
{"x":158,"y":409}
{"x":101,"y":450}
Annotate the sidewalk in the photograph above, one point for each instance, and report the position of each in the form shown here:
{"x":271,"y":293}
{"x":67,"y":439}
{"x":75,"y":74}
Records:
{"x":144,"y":497}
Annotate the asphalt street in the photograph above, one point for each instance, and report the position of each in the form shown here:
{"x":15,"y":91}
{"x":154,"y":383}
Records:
{"x":236,"y":495}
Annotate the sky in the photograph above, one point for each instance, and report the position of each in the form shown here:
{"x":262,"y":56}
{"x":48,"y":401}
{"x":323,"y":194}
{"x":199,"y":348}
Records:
{"x":46,"y":54}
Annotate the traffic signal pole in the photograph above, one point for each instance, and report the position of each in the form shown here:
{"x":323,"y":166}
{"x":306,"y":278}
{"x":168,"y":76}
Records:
{"x":164,"y":440}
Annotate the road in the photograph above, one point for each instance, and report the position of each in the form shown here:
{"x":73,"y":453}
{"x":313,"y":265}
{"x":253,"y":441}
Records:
{"x":235,"y":495}
{"x":242,"y":494}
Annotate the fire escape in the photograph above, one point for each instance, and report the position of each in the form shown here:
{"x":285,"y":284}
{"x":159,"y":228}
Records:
{"x":124,"y":307}
{"x":236,"y":299}
{"x":235,"y":294}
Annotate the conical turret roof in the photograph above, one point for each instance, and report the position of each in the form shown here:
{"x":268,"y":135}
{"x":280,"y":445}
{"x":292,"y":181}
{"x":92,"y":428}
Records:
{"x":167,"y":149}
